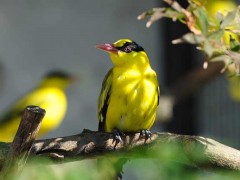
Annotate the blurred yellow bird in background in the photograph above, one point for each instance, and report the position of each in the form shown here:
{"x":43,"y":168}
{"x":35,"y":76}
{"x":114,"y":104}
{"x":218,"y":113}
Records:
{"x":49,"y":95}
{"x":130,"y":93}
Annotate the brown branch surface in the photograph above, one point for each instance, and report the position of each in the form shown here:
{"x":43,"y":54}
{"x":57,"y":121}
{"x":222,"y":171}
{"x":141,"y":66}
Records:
{"x":90,"y":144}
{"x":23,"y":140}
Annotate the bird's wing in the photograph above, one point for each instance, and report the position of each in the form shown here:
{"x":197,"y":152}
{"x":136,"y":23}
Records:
{"x":103,"y":100}
{"x":16,"y":110}
{"x":158,"y":94}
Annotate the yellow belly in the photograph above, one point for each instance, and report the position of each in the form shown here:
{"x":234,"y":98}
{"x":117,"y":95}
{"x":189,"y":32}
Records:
{"x":133,"y":101}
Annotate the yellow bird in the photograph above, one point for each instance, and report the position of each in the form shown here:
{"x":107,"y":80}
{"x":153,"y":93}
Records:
{"x":130,"y":93}
{"x":49,"y":95}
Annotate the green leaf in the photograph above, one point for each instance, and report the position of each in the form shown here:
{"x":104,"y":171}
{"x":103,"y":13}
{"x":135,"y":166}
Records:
{"x":219,"y":17}
{"x":202,"y":19}
{"x":207,"y":48}
{"x":228,"y":19}
{"x":234,"y":44}
{"x":174,"y":15}
{"x":216,"y":35}
{"x":221,"y":57}
{"x":187,"y":38}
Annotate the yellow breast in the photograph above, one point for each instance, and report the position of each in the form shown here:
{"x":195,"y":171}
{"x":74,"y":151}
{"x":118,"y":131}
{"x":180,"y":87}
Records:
{"x":133,"y":101}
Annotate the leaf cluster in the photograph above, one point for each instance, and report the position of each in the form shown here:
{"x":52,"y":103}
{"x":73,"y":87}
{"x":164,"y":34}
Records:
{"x":218,"y":37}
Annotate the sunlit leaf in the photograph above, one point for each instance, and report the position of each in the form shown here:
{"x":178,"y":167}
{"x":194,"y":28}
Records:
{"x":207,"y":48}
{"x":235,"y":57}
{"x":219,"y":17}
{"x":229,"y":18}
{"x":222,"y":57}
{"x":234,"y":45}
{"x":216,"y":34}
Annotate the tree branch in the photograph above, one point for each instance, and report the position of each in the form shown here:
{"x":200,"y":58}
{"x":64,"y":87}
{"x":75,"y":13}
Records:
{"x":198,"y":151}
{"x":20,"y":148}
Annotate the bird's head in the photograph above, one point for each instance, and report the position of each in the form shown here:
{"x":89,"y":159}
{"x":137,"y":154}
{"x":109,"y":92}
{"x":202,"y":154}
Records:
{"x":57,"y":78}
{"x":125,"y":52}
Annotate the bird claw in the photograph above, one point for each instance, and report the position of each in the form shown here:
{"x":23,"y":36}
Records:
{"x":117,"y":134}
{"x":145,"y":133}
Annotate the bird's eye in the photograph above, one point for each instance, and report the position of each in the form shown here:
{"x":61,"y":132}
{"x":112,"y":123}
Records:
{"x":127,"y":49}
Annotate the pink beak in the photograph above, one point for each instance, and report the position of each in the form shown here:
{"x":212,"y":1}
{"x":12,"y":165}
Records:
{"x":107,"y":47}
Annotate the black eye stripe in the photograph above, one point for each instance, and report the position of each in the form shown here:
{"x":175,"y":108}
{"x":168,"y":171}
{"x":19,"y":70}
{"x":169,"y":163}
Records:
{"x":129,"y":47}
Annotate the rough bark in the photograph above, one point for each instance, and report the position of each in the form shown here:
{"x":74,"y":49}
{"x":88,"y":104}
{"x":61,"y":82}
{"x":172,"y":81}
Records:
{"x":198,"y":151}
{"x":19,"y":150}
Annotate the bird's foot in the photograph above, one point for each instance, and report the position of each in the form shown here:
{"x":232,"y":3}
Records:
{"x":145,"y":133}
{"x":117,"y":134}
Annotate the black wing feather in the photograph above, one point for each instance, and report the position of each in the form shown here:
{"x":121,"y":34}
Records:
{"x":104,"y":99}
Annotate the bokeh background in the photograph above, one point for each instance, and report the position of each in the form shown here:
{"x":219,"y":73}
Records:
{"x":39,"y":36}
